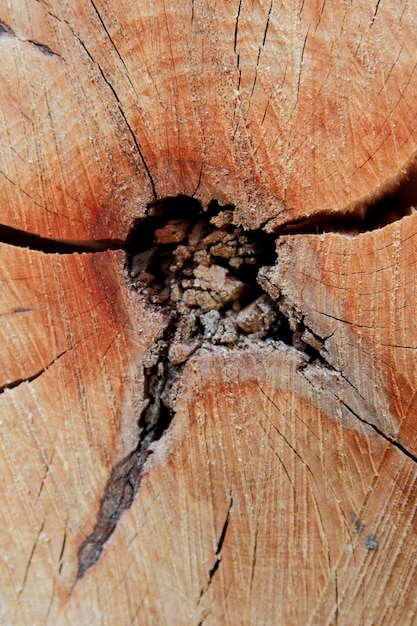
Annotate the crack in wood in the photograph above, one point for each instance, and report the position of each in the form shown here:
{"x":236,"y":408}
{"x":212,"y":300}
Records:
{"x":6,"y":31}
{"x":124,"y":482}
{"x":42,"y":47}
{"x":210,"y":277}
{"x":393,"y":201}
{"x":205,"y":272}
{"x":202,"y":270}
{"x":23,"y":239}
{"x":219,"y":547}
{"x":218,"y":556}
{"x":19,"y":381}
{"x":32,"y":552}
{"x":114,"y":92}
{"x":380,"y":432}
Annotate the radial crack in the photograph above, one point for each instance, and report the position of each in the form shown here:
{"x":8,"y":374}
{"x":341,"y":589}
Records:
{"x":393,"y":201}
{"x":126,"y":477}
{"x":122,"y":113}
{"x":380,"y":432}
{"x":218,"y":550}
{"x":23,"y":239}
{"x":16,"y":383}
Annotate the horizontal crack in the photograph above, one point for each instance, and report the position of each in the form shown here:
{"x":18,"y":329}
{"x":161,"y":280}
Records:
{"x":23,"y":239}
{"x":29,"y":379}
{"x":395,"y":200}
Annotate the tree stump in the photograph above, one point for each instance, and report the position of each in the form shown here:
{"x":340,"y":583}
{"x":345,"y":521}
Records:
{"x":208,"y":359}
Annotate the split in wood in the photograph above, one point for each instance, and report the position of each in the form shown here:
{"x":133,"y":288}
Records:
{"x":393,"y":201}
{"x":202,"y":269}
{"x":126,"y":477}
{"x":211,"y":278}
{"x":24,"y":239}
{"x":396,"y":199}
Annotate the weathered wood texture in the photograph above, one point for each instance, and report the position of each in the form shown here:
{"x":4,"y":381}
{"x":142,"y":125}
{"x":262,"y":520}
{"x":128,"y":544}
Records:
{"x":284,"y":492}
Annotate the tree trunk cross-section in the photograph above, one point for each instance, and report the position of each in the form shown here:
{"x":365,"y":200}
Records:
{"x":250,"y":414}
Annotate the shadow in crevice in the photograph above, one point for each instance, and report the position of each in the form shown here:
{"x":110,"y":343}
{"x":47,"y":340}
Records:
{"x":395,"y":200}
{"x":23,"y":239}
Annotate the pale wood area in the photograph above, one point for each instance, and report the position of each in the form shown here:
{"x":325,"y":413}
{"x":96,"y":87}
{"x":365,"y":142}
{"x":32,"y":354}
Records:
{"x":284,"y":492}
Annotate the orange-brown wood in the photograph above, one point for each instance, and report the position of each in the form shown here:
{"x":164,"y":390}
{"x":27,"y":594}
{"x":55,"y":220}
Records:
{"x":281,"y":108}
{"x":284,"y":490}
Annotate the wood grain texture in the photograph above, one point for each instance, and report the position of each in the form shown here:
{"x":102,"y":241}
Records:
{"x":369,"y":336}
{"x":358,"y":294}
{"x":301,"y":489}
{"x":67,"y":412}
{"x":284,"y":490}
{"x":284,"y":109}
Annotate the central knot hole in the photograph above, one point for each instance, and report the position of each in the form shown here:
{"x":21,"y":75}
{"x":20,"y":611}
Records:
{"x":203,"y":267}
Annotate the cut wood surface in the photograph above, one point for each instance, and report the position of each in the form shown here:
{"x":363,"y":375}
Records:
{"x":284,"y":490}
